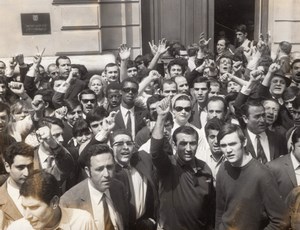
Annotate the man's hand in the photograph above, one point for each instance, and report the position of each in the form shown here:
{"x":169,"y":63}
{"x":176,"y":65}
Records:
{"x":154,"y":75}
{"x":12,"y":62}
{"x":109,"y":121}
{"x":38,"y":105}
{"x":202,"y":42}
{"x":20,"y":59}
{"x":273,"y":68}
{"x":153,"y":47}
{"x":63,"y":87}
{"x":163,"y":107}
{"x":236,"y":67}
{"x":44,"y":135}
{"x":16,"y":87}
{"x":37,"y":59}
{"x":61,"y":112}
{"x":162,"y":46}
{"x":255,"y":75}
{"x":124,"y":52}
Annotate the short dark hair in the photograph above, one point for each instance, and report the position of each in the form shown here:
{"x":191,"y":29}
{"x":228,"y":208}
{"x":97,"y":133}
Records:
{"x":178,"y":61}
{"x":213,"y":124}
{"x":231,"y":128}
{"x":17,"y":148}
{"x":48,"y":121}
{"x":111,"y":64}
{"x":186,"y":130}
{"x":40,"y":185}
{"x":202,"y":80}
{"x":61,"y":57}
{"x":118,"y":132}
{"x":47,"y":95}
{"x":296,"y":102}
{"x":80,"y":127}
{"x":4,"y":107}
{"x":241,"y":28}
{"x":71,"y":104}
{"x":131,"y":64}
{"x":113,"y":86}
{"x":93,"y":150}
{"x":86,"y":91}
{"x":290,"y":93}
{"x":296,"y":136}
{"x":248,"y":104}
{"x":97,"y":114}
{"x":154,"y":98}
{"x":131,"y":80}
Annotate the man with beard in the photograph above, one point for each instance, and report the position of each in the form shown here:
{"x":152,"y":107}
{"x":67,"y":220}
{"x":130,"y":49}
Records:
{"x":212,"y":155}
{"x":263,"y":144}
{"x":129,"y":116}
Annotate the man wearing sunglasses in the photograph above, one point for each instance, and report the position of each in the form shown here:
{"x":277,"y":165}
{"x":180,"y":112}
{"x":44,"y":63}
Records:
{"x":185,"y":190}
{"x":87,"y":100}
{"x":129,"y":116}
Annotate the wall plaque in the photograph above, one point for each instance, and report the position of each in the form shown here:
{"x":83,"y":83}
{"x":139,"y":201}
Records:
{"x":35,"y":24}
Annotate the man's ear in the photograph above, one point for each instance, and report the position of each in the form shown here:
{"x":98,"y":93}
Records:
{"x":46,"y":104}
{"x":87,"y":171}
{"x":7,"y":167}
{"x":54,"y":202}
{"x":245,"y":119}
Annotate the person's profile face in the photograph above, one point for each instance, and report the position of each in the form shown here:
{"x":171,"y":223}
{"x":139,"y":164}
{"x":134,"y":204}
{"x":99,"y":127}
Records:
{"x":38,"y":213}
{"x":221,"y":46}
{"x":240,"y":36}
{"x":101,"y":171}
{"x":296,"y":71}
{"x":4,"y":118}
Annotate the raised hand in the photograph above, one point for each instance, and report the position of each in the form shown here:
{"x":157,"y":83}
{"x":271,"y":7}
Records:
{"x":16,"y":87}
{"x":124,"y":52}
{"x":153,"y":47}
{"x":273,"y":68}
{"x":20,"y":59}
{"x":162,"y":46}
{"x":236,"y":66}
{"x":202,"y":41}
{"x":255,"y":75}
{"x":61,"y":112}
{"x":163,"y":107}
{"x":44,"y":135}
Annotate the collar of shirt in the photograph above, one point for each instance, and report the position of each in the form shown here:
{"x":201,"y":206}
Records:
{"x":263,"y":136}
{"x":295,"y":162}
{"x":95,"y":194}
{"x":43,"y":157}
{"x":124,"y":111}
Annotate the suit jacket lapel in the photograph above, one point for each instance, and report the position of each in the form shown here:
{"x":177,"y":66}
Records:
{"x":290,"y":170}
{"x":85,"y":198}
{"x":249,"y":146}
{"x":271,"y":145}
{"x":119,"y":120}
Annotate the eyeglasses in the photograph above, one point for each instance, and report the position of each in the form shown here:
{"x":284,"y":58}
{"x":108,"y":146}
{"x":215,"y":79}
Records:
{"x":179,"y":108}
{"x":127,"y":90}
{"x":122,"y":143}
{"x":85,"y":101}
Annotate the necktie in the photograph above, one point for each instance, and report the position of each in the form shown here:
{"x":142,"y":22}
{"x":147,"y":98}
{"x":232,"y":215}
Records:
{"x":49,"y":161}
{"x":128,"y":125}
{"x":107,"y":221}
{"x":261,"y":156}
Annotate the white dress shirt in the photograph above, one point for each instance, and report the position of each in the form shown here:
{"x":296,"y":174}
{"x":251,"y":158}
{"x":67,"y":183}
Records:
{"x":98,"y":213}
{"x":14,"y":193}
{"x":125,"y":118}
{"x":264,"y":143}
{"x":296,"y":167}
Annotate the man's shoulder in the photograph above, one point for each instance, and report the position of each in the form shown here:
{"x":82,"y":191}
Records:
{"x":278,"y":162}
{"x":20,"y":224}
{"x":76,"y":217}
{"x":204,"y":166}
{"x":77,"y":189}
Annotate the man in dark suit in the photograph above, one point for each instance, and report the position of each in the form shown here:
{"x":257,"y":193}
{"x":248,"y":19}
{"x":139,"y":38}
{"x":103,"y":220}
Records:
{"x":140,"y":174}
{"x":129,"y":116}
{"x":100,"y":194}
{"x":286,"y":169}
{"x":263,"y":144}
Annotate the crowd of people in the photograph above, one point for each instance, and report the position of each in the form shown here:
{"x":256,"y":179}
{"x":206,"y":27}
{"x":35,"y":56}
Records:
{"x":178,"y":139}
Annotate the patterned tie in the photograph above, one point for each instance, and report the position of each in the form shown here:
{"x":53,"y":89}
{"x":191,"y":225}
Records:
{"x":261,"y":156}
{"x":128,"y":124}
{"x":107,"y":221}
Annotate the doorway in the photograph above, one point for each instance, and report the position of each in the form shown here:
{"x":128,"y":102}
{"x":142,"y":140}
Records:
{"x":229,"y":14}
